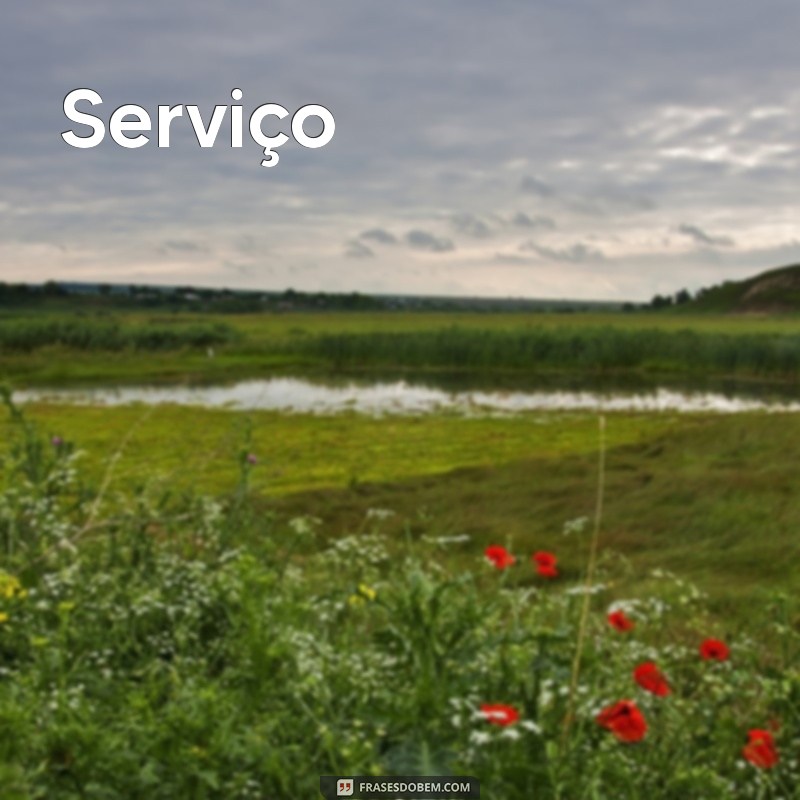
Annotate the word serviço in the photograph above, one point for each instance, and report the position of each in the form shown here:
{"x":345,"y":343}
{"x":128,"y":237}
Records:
{"x":120,"y":123}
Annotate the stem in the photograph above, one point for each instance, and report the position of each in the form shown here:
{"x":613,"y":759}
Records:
{"x":588,"y":583}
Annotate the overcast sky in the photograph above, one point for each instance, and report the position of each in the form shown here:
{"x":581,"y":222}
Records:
{"x":605,"y":149}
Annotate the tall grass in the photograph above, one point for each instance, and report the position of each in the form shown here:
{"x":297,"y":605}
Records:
{"x":587,"y":349}
{"x":26,"y":336}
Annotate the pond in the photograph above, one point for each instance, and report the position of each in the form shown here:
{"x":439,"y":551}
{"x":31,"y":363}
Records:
{"x":386,"y":397}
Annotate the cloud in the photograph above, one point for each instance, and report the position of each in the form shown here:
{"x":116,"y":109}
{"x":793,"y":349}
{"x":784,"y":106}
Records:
{"x":246,"y":244}
{"x":566,"y":128}
{"x":577,"y":253}
{"x":615,"y":200}
{"x":357,"y":249}
{"x":182,"y":246}
{"x":522,"y":220}
{"x":422,"y":240}
{"x":471,"y":225}
{"x":701,"y":237}
{"x":512,"y":258}
{"x":379,"y":235}
{"x":531,"y":185}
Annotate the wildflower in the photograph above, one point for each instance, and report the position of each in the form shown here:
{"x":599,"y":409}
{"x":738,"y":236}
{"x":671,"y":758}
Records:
{"x":445,"y":540}
{"x":499,"y":714}
{"x":620,"y":621}
{"x":56,"y":441}
{"x":545,"y":564}
{"x":251,"y":458}
{"x":714,"y":650}
{"x":499,"y":556}
{"x":367,"y":591}
{"x":760,"y":749}
{"x":624,"y":720}
{"x":304,"y":526}
{"x":650,"y":678}
{"x":531,"y":726}
{"x":575,"y":525}
{"x":596,"y":588}
{"x":363,"y":594}
{"x":10,"y":586}
{"x":3,"y":617}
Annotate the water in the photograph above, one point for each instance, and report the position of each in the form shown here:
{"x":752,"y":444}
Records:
{"x":399,"y":397}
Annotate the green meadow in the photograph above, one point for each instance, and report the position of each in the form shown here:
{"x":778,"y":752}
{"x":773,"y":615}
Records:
{"x":211,"y":603}
{"x":708,"y":496}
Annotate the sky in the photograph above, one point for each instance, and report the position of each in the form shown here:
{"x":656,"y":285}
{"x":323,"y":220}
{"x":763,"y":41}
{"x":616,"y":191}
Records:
{"x":586,"y":149}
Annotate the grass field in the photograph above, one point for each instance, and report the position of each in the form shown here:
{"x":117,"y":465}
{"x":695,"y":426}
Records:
{"x":709,"y":496}
{"x":213,"y":604}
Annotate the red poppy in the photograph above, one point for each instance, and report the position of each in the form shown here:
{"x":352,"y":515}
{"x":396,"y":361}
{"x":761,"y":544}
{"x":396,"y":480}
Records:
{"x":624,"y":720}
{"x":499,"y":556}
{"x":760,"y":749}
{"x":499,"y":714}
{"x":650,"y":678}
{"x":620,"y":621}
{"x":714,"y":650}
{"x":545,"y":564}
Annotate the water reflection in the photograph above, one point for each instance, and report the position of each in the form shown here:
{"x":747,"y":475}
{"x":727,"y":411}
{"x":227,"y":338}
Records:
{"x":295,"y":395}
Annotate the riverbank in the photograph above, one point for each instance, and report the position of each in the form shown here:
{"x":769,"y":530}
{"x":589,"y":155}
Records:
{"x":710,"y":496}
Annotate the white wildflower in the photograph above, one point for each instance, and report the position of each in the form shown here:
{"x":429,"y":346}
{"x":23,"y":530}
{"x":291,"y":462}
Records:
{"x":531,"y":726}
{"x":575,"y":526}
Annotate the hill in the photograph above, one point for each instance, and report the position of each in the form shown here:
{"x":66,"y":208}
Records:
{"x":776,"y":291}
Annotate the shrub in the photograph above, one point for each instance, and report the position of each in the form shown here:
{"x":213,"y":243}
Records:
{"x":29,"y":335}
